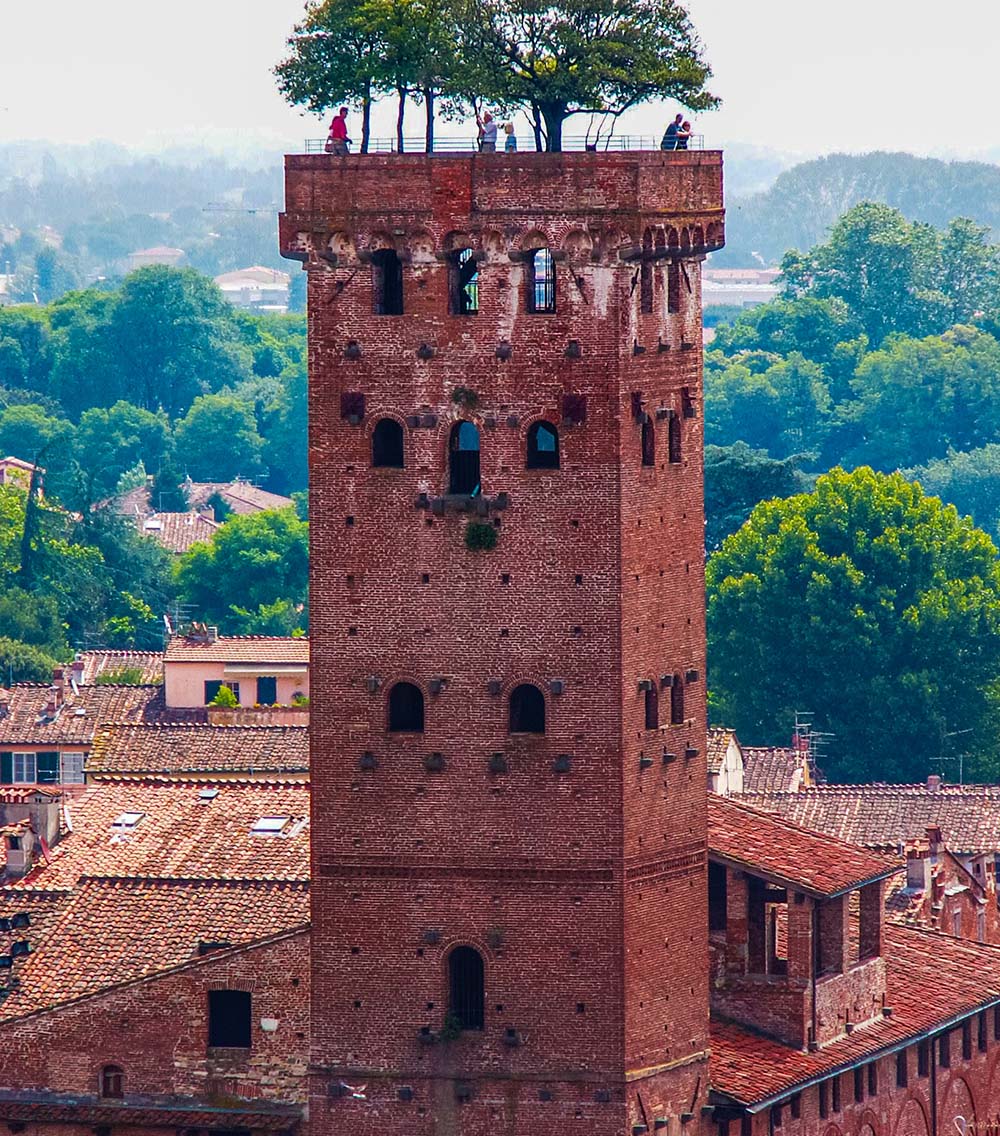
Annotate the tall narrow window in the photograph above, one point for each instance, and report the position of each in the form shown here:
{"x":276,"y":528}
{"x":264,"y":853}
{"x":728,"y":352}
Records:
{"x":463,"y":460}
{"x":466,"y":988}
{"x":541,"y":282}
{"x":648,"y":442}
{"x":112,"y":1082}
{"x":387,"y":283}
{"x":229,"y":1019}
{"x":923,"y":1058}
{"x":674,"y":439}
{"x":673,"y":287}
{"x":387,"y":444}
{"x":463,"y":283}
{"x":677,"y":702}
{"x":527,"y":710}
{"x":718,"y":897}
{"x":406,"y":709}
{"x":543,"y":447}
{"x":902,"y":1068}
{"x":652,"y":709}
{"x":646,"y":287}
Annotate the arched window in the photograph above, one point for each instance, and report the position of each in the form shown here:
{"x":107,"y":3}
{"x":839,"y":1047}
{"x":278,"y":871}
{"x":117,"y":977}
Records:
{"x":648,"y":442}
{"x":463,"y":283}
{"x":406,"y":708}
{"x":677,"y":701}
{"x":387,"y":444}
{"x":463,"y":460}
{"x":674,"y":439}
{"x":527,"y":710}
{"x":112,"y":1082}
{"x":387,"y":283}
{"x":543,"y":446}
{"x":652,"y":709}
{"x":466,"y":988}
{"x":541,"y":282}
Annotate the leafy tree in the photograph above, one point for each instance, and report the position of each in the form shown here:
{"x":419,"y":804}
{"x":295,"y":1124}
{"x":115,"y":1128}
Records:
{"x":218,"y":439}
{"x":20,"y":662}
{"x":167,"y":493}
{"x":596,"y":57}
{"x":27,"y":432}
{"x":32,"y":619}
{"x":969,"y":481}
{"x":109,"y":442}
{"x":252,"y":563}
{"x":871,"y":605}
{"x":736,"y":479}
{"x":917,"y":397}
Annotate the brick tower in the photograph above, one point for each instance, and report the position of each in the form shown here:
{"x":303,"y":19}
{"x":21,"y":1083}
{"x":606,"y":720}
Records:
{"x":508,"y":649}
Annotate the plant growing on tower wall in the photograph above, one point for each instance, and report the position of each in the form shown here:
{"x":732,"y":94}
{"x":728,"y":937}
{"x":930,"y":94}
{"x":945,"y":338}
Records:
{"x":480,"y":537}
{"x":465,"y":396}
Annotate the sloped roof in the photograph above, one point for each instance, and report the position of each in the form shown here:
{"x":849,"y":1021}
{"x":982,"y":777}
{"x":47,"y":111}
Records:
{"x":239,"y":649}
{"x":771,"y":767}
{"x":932,"y":979}
{"x":117,"y":930}
{"x":718,"y":744}
{"x":27,"y":723}
{"x":185,"y":748}
{"x":177,"y":531}
{"x":770,"y":846}
{"x":886,"y":816}
{"x":240,"y":496}
{"x":108,"y":662}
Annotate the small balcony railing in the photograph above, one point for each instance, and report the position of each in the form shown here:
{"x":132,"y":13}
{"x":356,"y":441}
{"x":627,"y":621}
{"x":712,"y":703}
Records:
{"x":467,"y":144}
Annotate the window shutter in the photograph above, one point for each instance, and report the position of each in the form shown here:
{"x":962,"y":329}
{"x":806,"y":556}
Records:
{"x":6,"y":768}
{"x":48,"y":768}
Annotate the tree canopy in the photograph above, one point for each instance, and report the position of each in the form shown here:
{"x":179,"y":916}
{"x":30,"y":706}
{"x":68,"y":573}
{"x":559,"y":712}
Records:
{"x":870,"y":605}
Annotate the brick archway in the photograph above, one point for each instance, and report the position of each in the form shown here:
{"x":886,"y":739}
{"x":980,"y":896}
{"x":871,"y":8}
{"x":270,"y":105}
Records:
{"x":956,"y":1100}
{"x":912,"y":1119}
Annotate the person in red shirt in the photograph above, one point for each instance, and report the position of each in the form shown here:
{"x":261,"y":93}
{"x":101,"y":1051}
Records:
{"x":338,"y":142}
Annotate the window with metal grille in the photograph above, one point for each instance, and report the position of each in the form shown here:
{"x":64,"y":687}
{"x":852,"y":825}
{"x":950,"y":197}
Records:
{"x":527,"y":710}
{"x":677,"y":702}
{"x":406,"y":708}
{"x":463,"y":281}
{"x":229,"y":1016}
{"x":541,"y":282}
{"x":674,"y":439}
{"x":652,"y":709}
{"x":387,"y":283}
{"x":112,"y":1082}
{"x":543,"y":447}
{"x":466,"y":988}
{"x":387,"y":444}
{"x":648,"y":442}
{"x":463,"y":460}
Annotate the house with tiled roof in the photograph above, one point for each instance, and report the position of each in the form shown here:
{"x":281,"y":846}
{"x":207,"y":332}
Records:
{"x":123,"y":667}
{"x":178,"y":531}
{"x":14,"y":471}
{"x":823,"y":1013}
{"x":725,"y":761}
{"x":783,"y":769}
{"x":260,"y":670}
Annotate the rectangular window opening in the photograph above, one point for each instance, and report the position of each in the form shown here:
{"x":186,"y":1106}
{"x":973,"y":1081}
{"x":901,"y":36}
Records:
{"x":902,"y":1068}
{"x":718,"y":896}
{"x":646,"y":287}
{"x":267,"y":690}
{"x":673,"y":287}
{"x":229,"y":1018}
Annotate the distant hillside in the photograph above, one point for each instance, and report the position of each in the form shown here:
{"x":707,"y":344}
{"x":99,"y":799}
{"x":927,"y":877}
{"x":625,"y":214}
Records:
{"x":804,"y":202}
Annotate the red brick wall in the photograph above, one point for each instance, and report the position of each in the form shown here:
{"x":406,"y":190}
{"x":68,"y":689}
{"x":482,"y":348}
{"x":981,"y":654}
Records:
{"x":584,"y":890}
{"x":157,"y":1031}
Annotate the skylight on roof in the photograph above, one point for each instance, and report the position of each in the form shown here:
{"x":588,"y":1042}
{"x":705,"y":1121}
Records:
{"x":126,"y":822}
{"x":270,"y":826}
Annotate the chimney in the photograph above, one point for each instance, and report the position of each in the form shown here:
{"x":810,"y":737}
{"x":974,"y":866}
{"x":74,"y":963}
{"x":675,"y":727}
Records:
{"x":213,"y":634}
{"x":933,"y":783}
{"x":918,"y":866}
{"x":934,"y":840}
{"x":4,"y":702}
{"x":20,"y":846}
{"x":76,"y":671}
{"x":58,"y":686}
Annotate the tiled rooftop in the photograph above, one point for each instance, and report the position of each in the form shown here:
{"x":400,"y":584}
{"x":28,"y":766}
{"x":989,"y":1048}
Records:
{"x":27,"y":722}
{"x":931,"y":979}
{"x":177,"y":531}
{"x":98,"y":663}
{"x":886,"y":816}
{"x":117,"y":930}
{"x":239,"y":649}
{"x":771,"y":767}
{"x":240,"y":496}
{"x":718,"y":744}
{"x":773,"y":848}
{"x":186,"y":749}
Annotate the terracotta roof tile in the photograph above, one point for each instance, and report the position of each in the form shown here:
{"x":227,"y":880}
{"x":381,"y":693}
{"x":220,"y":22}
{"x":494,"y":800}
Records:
{"x":239,"y":649}
{"x":187,"y":748}
{"x":117,"y":930}
{"x":177,"y":531}
{"x":809,"y":861}
{"x":100,"y":663}
{"x":240,"y":496}
{"x":771,"y":767}
{"x":932,"y":979}
{"x":886,"y":816}
{"x":718,"y":744}
{"x":27,"y":723}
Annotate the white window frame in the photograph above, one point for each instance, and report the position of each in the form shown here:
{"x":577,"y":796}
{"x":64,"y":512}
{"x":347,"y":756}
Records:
{"x":71,"y":768}
{"x":24,"y":759}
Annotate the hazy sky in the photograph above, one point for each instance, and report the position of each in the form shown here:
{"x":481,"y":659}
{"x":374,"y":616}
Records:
{"x":797,"y":75}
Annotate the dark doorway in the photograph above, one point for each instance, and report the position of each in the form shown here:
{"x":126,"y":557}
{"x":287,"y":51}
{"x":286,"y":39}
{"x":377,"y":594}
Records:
{"x":527,"y":710}
{"x":463,"y":460}
{"x":406,"y":709}
{"x":387,"y":283}
{"x":463,"y":280}
{"x":387,"y":444}
{"x":466,"y":988}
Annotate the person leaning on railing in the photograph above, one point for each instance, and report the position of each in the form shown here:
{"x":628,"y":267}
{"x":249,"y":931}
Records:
{"x":338,"y":142}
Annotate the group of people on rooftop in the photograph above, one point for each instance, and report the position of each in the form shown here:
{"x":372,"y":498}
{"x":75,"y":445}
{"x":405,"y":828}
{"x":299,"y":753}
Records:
{"x":675,"y":137}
